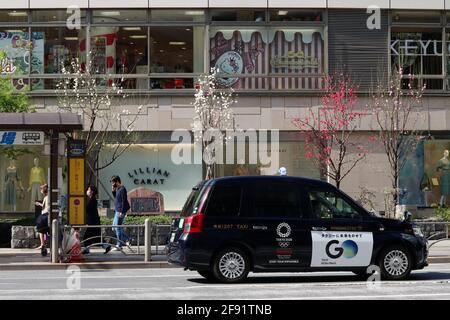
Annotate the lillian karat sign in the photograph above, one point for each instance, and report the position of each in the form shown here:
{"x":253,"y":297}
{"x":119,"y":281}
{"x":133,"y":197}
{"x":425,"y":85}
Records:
{"x":140,"y":176}
{"x":411,"y":47}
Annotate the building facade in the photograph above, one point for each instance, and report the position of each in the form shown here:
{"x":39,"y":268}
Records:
{"x":275,"y":53}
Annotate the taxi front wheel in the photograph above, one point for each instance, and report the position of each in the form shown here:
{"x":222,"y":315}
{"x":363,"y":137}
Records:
{"x":395,"y":263}
{"x":231,"y":265}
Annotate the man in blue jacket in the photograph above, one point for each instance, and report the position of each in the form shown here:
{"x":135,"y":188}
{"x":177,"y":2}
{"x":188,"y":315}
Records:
{"x":121,"y":207}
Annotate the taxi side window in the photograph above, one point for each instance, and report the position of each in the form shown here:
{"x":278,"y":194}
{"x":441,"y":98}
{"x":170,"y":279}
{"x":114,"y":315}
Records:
{"x":225,"y":201}
{"x":329,"y":205}
{"x":273,"y":200}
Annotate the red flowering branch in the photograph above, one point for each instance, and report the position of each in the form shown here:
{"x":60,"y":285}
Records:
{"x":329,"y":139}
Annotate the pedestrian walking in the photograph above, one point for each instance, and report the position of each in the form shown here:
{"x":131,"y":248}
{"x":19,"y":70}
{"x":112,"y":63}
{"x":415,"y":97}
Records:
{"x":42,"y":225}
{"x":121,"y":207}
{"x":92,"y":235}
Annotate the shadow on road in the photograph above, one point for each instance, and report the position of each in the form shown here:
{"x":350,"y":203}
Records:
{"x":256,"y":279}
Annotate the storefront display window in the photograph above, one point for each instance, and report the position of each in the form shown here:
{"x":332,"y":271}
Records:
{"x":13,"y":16}
{"x":425,"y":178}
{"x":291,"y":156}
{"x":150,"y":166}
{"x":22,"y":172}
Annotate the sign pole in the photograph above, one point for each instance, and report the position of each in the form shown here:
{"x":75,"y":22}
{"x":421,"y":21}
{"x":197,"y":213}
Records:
{"x":76,"y":153}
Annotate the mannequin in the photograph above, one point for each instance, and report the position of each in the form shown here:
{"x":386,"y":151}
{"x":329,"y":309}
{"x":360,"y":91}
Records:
{"x":444,"y":167}
{"x":37,"y":178}
{"x":12,"y":184}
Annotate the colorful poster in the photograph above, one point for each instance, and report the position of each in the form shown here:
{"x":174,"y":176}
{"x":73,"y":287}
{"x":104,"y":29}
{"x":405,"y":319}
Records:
{"x":16,"y":47}
{"x":341,"y":249}
{"x":295,"y":52}
{"x":239,"y":53}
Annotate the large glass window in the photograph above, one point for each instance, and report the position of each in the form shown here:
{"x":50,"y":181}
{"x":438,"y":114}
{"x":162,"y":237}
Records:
{"x":176,"y":49}
{"x":290,"y":155}
{"x":172,"y":15}
{"x":447,"y":46}
{"x":13,"y":16}
{"x":415,"y":16}
{"x":238,"y":15}
{"x":120,"y":50}
{"x":54,"y":47}
{"x":419,"y":52}
{"x":54,"y":16}
{"x":295,"y":15}
{"x":110,"y":15}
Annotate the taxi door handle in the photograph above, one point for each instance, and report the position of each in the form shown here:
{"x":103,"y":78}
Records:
{"x":319,"y":228}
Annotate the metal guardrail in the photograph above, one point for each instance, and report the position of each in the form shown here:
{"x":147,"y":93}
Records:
{"x":434,"y":231}
{"x":140,"y":244}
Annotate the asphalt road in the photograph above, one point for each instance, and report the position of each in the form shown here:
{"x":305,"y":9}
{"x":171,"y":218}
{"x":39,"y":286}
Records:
{"x":431,"y":283}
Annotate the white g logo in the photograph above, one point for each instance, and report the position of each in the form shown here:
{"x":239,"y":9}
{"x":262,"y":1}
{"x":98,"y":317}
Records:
{"x":283,"y":230}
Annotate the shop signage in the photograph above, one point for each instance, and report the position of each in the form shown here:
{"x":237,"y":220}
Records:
{"x":410,"y":47}
{"x":76,"y":152}
{"x":148,"y":176}
{"x":76,"y":176}
{"x":76,"y":210}
{"x":294,"y":60}
{"x":21,"y":138}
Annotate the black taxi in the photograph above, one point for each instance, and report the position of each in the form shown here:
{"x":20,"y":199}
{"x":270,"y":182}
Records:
{"x":231,"y":226}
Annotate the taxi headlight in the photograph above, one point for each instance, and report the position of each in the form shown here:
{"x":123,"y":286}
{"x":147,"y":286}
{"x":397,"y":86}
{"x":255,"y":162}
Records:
{"x":417,"y":231}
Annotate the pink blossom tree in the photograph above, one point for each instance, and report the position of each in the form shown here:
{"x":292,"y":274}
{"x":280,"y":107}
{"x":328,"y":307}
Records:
{"x":329,"y":130}
{"x":397,"y":108}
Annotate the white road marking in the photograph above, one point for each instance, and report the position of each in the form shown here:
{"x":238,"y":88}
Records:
{"x":359,"y":297}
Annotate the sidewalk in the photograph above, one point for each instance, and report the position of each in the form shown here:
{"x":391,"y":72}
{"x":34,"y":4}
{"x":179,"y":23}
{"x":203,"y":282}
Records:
{"x":31,"y":259}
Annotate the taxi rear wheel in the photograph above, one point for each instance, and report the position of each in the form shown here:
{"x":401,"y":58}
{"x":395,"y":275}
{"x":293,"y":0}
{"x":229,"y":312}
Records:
{"x":395,"y":263}
{"x":231,"y":265}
